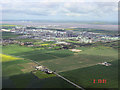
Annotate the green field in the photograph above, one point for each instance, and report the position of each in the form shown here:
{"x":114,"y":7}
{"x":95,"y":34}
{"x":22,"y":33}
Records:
{"x":100,"y":51}
{"x":28,"y":40}
{"x":12,"y":49}
{"x":13,"y":65}
{"x":88,"y":57}
{"x":16,"y":70}
{"x":42,"y":75}
{"x":81,"y":67}
{"x":7,"y":35}
{"x":85,"y":76}
{"x":16,"y":73}
{"x":28,"y":80}
{"x":37,"y":55}
{"x":65,"y":62}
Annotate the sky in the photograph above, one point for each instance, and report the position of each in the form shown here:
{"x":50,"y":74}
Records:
{"x":77,"y":10}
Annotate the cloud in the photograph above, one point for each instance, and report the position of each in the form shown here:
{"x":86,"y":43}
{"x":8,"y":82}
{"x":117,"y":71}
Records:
{"x":60,"y":10}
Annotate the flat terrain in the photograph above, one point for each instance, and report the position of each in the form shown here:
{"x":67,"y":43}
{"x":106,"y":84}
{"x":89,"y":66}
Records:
{"x":16,"y":73}
{"x":6,"y":58}
{"x":85,"y":76}
{"x":87,"y":57}
{"x":42,"y":75}
{"x":81,"y":67}
{"x":7,"y":35}
{"x":70,"y":24}
{"x":37,"y":55}
{"x":16,"y":68}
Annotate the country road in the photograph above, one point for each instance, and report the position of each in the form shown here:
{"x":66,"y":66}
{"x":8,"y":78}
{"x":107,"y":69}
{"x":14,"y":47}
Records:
{"x":69,"y":81}
{"x":53,"y":72}
{"x":61,"y":77}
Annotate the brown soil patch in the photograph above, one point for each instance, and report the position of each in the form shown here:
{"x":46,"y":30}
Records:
{"x":28,"y":67}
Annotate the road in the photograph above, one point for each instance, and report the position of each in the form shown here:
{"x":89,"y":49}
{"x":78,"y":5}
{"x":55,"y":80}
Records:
{"x":58,"y":75}
{"x":69,"y":81}
{"x":63,"y":77}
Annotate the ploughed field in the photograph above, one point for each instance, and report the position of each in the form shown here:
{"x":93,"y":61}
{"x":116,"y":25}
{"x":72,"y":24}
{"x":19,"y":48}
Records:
{"x":81,"y":67}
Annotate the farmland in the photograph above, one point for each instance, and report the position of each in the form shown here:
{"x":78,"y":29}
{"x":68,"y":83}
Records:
{"x":28,"y":80}
{"x":31,"y":53}
{"x":6,"y":58}
{"x":42,"y":75}
{"x":82,"y":59}
{"x":65,"y":63}
{"x":7,"y":35}
{"x":13,"y":65}
{"x":17,"y":73}
{"x":81,"y":67}
{"x":81,"y":77}
{"x":17,"y":68}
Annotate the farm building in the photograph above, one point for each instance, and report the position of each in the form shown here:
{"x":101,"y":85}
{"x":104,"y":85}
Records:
{"x":42,"y":68}
{"x":47,"y":71}
{"x":39,"y":67}
{"x":75,"y":50}
{"x":105,"y":63}
{"x":65,"y":43}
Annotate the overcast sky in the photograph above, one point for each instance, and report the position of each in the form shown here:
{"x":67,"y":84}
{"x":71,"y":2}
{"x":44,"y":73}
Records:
{"x":75,"y":11}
